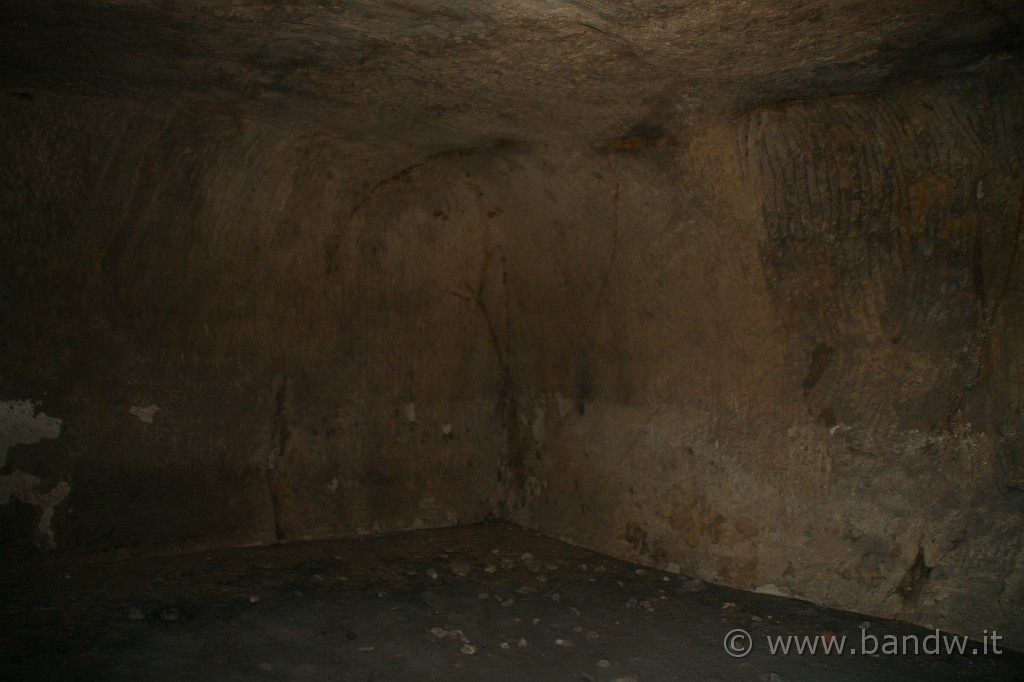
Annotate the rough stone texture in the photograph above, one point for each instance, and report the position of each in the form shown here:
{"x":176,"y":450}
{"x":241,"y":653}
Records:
{"x":221,"y":271}
{"x":387,"y":608}
{"x":794,"y":372}
{"x":729,"y":286}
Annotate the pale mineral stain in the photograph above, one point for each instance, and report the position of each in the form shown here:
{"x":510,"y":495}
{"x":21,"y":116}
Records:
{"x":144,"y":414}
{"x":26,"y":488}
{"x":20,"y":425}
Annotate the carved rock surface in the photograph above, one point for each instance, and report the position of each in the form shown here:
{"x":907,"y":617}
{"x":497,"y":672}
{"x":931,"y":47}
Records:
{"x":731,"y":287}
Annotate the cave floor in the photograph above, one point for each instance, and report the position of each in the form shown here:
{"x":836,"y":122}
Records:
{"x":506,"y":604}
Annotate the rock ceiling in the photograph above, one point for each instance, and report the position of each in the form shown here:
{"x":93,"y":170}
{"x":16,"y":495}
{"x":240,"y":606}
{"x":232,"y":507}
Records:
{"x":443,"y":72}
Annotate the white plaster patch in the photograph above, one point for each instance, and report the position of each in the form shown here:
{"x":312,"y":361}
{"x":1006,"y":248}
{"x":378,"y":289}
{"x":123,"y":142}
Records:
{"x":446,"y":429}
{"x":145,"y":414}
{"x":25,"y":487}
{"x":20,"y":425}
{"x":773,"y":589}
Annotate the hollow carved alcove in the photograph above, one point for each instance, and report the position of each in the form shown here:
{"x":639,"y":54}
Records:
{"x":727,"y":289}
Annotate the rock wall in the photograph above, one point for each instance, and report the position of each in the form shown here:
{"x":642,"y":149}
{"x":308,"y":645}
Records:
{"x":797,"y":369}
{"x":248,"y":330}
{"x":779,"y":349}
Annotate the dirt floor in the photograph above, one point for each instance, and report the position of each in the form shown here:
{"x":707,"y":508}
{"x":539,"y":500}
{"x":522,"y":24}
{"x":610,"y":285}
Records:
{"x":484,"y":602}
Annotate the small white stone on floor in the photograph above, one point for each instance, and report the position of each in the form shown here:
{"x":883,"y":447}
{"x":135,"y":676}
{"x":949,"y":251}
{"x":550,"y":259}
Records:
{"x":728,"y":605}
{"x":526,"y":556}
{"x":563,"y":642}
{"x":253,"y":598}
{"x":490,"y":568}
{"x":508,"y":602}
{"x":631,"y":604}
{"x":521,"y":643}
{"x":604,"y":663}
{"x":505,"y":646}
{"x":483,"y":595}
{"x":578,"y":630}
{"x":641,"y":571}
{"x":756,"y":619}
{"x":135,"y":614}
{"x":536,"y":621}
{"x":673,"y":567}
{"x":627,"y":678}
{"x":441,"y":633}
{"x":591,"y":635}
{"x":432,"y":574}
{"x":555,"y":597}
{"x":461,"y":568}
{"x":582,"y":567}
{"x":468,"y":649}
{"x":599,"y":569}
